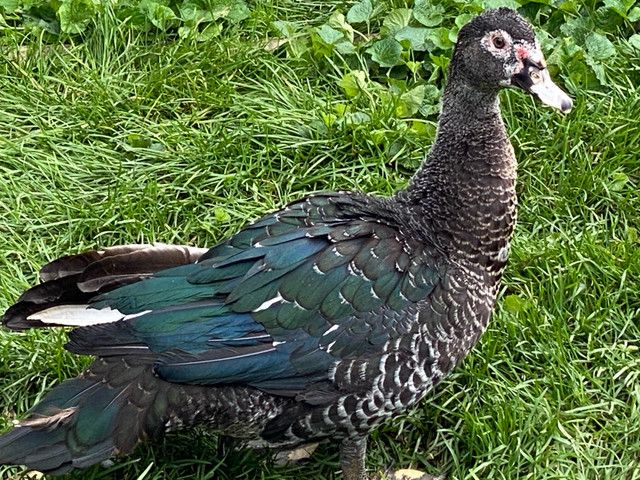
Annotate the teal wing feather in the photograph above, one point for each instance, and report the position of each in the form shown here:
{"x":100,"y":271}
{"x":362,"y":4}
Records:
{"x":275,"y":305}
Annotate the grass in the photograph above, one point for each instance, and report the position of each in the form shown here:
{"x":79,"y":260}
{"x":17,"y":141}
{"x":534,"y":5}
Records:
{"x":127,"y":137}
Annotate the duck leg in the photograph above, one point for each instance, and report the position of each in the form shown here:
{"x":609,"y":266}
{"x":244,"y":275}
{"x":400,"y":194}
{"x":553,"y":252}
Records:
{"x":352,"y":455}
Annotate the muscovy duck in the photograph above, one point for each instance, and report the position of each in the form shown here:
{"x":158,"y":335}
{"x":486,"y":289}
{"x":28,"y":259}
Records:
{"x":318,"y":321}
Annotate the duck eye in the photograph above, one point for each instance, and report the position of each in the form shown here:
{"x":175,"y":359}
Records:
{"x":535,"y":76}
{"x":499,"y":42}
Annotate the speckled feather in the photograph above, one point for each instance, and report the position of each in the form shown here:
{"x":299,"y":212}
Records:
{"x":320,"y":320}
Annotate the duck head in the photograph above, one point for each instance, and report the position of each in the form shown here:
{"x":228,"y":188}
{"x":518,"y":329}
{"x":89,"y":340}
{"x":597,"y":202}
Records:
{"x":499,"y":49}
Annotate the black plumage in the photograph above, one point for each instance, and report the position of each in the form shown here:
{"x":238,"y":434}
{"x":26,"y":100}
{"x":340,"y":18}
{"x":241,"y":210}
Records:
{"x":317,"y":321}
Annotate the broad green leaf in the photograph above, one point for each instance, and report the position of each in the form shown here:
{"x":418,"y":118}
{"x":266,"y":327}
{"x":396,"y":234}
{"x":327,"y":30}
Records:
{"x":209,"y":32}
{"x":578,"y":28}
{"x":158,"y":147}
{"x":418,"y":37}
{"x":395,"y":148}
{"x":405,"y":44}
{"x":284,"y":28}
{"x":329,"y":119}
{"x":232,"y":10}
{"x":440,"y":37}
{"x":410,"y":102}
{"x":419,"y":128}
{"x":397,"y":86}
{"x":426,"y":109}
{"x":329,"y":35}
{"x":397,"y":19}
{"x":414,"y":66}
{"x":10,"y":5}
{"x":48,"y":25}
{"x":159,"y":15}
{"x":599,"y":46}
{"x":431,"y":94}
{"x":502,"y":3}
{"x":453,"y":35}
{"x":619,"y":181}
{"x":337,"y":21}
{"x":195,"y":14}
{"x":634,"y":14}
{"x":75,"y":15}
{"x":353,"y":82}
{"x":378,"y":136}
{"x":597,"y":67}
{"x":619,"y":6}
{"x":237,"y":10}
{"x":571,"y":48}
{"x":634,"y":40}
{"x":357,"y":118}
{"x":335,"y":38}
{"x":345,"y":47}
{"x":463,"y":19}
{"x":608,"y":20}
{"x":428,"y":14}
{"x":514,"y":304}
{"x":138,"y":141}
{"x":221,"y":215}
{"x":431,"y":102}
{"x":360,"y":12}
{"x":567,"y":5}
{"x":476,"y":6}
{"x":441,"y":61}
{"x":319,"y":128}
{"x":386,"y":52}
{"x":341,"y":109}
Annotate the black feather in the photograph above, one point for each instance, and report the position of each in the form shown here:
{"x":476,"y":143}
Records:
{"x":320,"y":320}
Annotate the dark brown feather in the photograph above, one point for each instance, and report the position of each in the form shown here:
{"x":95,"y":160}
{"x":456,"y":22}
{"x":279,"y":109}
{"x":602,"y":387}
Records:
{"x":75,"y":279}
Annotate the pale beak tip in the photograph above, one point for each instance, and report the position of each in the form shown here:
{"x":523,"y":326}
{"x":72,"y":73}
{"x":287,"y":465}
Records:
{"x":566,"y":105}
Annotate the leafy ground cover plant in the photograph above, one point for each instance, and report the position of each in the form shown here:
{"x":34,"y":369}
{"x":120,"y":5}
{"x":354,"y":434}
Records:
{"x":201,"y":18}
{"x":116,"y":129}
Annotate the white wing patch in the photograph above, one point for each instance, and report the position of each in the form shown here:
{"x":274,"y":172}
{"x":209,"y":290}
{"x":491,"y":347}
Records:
{"x":78,"y":315}
{"x":331,"y":329}
{"x":268,"y":303}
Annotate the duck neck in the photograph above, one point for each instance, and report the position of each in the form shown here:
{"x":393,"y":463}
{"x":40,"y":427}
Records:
{"x":463,"y":197}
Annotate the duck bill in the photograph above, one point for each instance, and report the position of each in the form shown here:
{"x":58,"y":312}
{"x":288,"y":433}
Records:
{"x":537,"y":81}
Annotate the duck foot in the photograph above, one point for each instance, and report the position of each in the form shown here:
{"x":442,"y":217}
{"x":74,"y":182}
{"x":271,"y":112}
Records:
{"x":407,"y":474}
{"x":293,"y":457}
{"x":352,"y":460}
